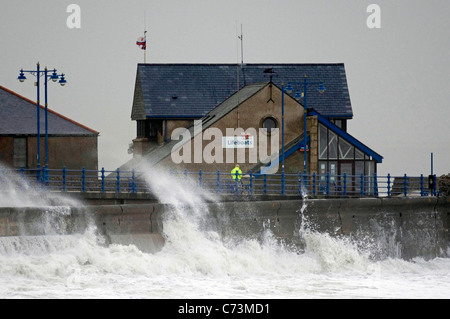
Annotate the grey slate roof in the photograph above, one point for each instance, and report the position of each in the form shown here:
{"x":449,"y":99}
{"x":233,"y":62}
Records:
{"x":18,"y":117}
{"x":192,"y":90}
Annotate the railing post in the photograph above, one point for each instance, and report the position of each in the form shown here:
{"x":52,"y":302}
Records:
{"x":251,"y":183}
{"x":375,"y":185}
{"x":118,"y":181}
{"x":236,"y":174}
{"x":265,"y":184}
{"x":133,"y":176}
{"x":389,"y":185}
{"x":185,"y":174}
{"x":83,"y":180}
{"x":362,"y":185}
{"x":218,"y":182}
{"x":328,"y":184}
{"x":103,"y":179}
{"x":345,"y":184}
{"x":38,"y":173}
{"x":200,"y":178}
{"x":282,"y":182}
{"x":305,"y":182}
{"x":64,"y":179}
{"x":314,"y":184}
{"x":43,"y":176}
{"x":405,"y":185}
{"x":434,"y":185}
{"x":300,"y":183}
{"x":421,"y":185}
{"x":46,"y":175}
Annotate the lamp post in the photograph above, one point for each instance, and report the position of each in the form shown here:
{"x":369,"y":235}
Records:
{"x":54,"y":77}
{"x":298,"y":95}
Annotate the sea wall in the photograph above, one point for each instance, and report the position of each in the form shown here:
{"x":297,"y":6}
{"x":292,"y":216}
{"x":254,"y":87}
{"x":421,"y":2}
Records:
{"x":393,"y":227}
{"x":396,"y":227}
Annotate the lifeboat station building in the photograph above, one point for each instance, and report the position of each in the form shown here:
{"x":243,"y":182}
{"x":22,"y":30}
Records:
{"x":211,"y":117}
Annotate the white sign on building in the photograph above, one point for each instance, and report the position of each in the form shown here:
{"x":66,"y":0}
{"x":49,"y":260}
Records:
{"x":237,"y":142}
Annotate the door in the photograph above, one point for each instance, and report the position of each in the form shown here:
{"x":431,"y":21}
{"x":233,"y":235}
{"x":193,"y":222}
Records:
{"x":20,"y":152}
{"x":347,"y":167}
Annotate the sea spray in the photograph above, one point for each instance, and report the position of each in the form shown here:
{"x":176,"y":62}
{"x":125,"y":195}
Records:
{"x":198,"y":262}
{"x":39,"y":222}
{"x":191,"y":235}
{"x":332,"y":252}
{"x":19,"y":190}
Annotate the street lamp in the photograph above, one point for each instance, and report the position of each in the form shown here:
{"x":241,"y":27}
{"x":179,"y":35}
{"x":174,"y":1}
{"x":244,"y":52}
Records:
{"x":54,"y":77}
{"x":298,"y":95}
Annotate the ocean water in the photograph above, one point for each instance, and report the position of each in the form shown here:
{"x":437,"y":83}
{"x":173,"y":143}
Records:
{"x":197,"y":263}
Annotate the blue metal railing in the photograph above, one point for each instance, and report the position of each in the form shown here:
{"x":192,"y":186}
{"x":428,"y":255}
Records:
{"x":315,"y":185}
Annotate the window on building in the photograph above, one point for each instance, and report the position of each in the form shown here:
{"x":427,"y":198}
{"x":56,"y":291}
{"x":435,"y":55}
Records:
{"x":332,"y":145}
{"x":20,"y":152}
{"x":148,"y":128}
{"x":140,"y":129}
{"x":338,"y":156}
{"x":346,"y":150}
{"x":342,"y":124}
{"x":269,"y":124}
{"x":323,"y":142}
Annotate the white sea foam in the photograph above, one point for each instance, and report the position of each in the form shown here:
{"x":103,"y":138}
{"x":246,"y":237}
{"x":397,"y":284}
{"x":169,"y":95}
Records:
{"x":20,"y":191}
{"x":197,"y":262}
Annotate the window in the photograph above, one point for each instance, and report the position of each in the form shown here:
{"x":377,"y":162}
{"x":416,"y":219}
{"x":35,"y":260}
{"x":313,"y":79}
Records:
{"x":140,"y":129}
{"x":20,"y":152}
{"x":342,"y":124}
{"x":269,"y":124}
{"x":359,"y":154}
{"x":336,"y":153}
{"x":148,"y":128}
{"x":332,"y":145}
{"x":323,"y":142}
{"x":346,"y":150}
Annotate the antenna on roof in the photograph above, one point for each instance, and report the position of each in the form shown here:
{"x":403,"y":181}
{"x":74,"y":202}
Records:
{"x":145,"y":50}
{"x":241,"y":37}
{"x":238,"y":67}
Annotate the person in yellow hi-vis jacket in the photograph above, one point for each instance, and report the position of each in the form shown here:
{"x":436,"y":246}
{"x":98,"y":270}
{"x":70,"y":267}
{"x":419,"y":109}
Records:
{"x":236,"y":173}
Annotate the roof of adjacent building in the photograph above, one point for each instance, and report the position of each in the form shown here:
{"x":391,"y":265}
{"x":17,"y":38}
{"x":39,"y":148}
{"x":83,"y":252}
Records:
{"x":18,"y":116}
{"x":192,"y":90}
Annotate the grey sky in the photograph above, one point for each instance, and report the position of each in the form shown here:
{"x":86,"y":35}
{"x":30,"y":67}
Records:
{"x":398,"y":75}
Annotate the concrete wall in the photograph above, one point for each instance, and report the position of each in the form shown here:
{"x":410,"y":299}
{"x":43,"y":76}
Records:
{"x":395,"y":227}
{"x":398,"y":227}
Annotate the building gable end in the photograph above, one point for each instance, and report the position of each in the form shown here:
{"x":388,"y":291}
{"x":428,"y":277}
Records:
{"x":138,"y":109}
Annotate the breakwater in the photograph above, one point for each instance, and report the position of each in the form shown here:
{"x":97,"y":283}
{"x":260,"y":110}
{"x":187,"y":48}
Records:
{"x":404,"y":227}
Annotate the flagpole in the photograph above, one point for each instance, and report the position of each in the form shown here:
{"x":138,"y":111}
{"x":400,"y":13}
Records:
{"x":145,"y":50}
{"x":145,"y":36}
{"x":142,"y":43}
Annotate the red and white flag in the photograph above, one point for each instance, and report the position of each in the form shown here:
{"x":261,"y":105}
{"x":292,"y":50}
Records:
{"x":142,"y":42}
